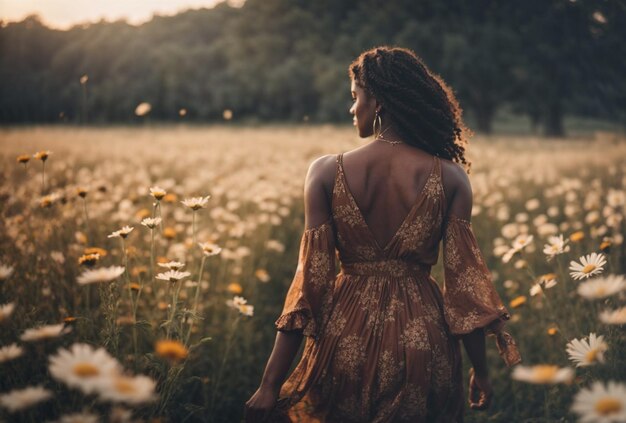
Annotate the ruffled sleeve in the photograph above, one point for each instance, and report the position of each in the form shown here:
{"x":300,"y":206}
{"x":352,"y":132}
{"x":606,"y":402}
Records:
{"x":470,"y":298}
{"x":311,"y":289}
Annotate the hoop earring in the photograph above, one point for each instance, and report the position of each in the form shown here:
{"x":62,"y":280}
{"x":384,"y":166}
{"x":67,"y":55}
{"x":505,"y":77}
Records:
{"x":380,"y":125}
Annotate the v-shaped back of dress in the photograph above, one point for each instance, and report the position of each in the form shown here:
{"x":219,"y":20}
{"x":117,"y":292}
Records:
{"x":416,"y":239}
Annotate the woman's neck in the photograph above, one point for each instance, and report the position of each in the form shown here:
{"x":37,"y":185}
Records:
{"x":389,"y":133}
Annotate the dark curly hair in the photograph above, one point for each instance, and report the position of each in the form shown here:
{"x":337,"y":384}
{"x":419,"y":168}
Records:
{"x":419,"y":103}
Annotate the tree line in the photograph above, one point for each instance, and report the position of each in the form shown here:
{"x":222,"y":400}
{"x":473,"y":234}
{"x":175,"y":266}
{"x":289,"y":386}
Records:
{"x":286,"y":60}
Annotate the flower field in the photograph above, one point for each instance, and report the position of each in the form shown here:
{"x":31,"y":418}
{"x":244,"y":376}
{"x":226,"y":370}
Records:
{"x":142,"y":269}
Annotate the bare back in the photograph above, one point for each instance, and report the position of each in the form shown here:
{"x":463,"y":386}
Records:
{"x":386,"y":181}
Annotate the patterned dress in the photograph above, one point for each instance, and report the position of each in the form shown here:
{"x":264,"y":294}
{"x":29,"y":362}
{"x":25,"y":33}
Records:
{"x":381,"y":342}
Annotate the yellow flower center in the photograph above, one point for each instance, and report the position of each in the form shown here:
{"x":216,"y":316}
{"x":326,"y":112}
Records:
{"x":589,"y":268}
{"x":86,"y":370}
{"x":545,"y":373}
{"x":592,"y":355}
{"x":608,"y":406}
{"x":124,"y":386}
{"x":600,"y":291}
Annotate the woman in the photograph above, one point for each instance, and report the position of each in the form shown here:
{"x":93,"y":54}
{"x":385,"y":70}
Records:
{"x":382,"y":341}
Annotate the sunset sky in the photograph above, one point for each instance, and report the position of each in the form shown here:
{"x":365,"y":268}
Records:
{"x":65,"y":13}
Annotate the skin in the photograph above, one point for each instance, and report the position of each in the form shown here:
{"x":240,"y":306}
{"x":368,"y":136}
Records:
{"x":318,"y":185}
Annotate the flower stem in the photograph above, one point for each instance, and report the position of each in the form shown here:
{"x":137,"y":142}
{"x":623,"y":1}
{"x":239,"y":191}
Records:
{"x":193,"y":226}
{"x":157,"y":207}
{"x":229,"y":343}
{"x":195,"y":301}
{"x":86,"y":219}
{"x":130,"y":294}
{"x":43,"y":177}
{"x":152,"y":256}
{"x":173,"y":312}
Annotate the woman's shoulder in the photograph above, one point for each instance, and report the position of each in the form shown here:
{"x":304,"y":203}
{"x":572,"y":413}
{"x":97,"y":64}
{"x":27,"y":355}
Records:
{"x":454,"y":178}
{"x":322,"y":171}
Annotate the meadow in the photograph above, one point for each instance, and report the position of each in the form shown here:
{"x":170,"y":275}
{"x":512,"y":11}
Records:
{"x":142,"y":268}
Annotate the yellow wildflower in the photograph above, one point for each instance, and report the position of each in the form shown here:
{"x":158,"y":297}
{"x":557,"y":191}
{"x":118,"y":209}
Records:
{"x":170,"y":349}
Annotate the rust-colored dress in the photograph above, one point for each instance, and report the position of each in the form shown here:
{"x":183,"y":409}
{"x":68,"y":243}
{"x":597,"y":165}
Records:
{"x":380,"y":336}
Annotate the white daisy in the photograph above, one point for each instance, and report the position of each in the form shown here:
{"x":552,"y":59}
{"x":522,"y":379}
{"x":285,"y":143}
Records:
{"x":19,"y":399}
{"x":83,"y":367}
{"x":585,"y":352}
{"x":275,"y":245}
{"x":601,"y":403}
{"x":543,"y":374}
{"x":5,"y":272}
{"x":241,"y":304}
{"x":103,"y":274}
{"x":157,"y":192}
{"x":196,"y":203}
{"x":49,"y":200}
{"x":613,"y":317}
{"x":246,"y":310}
{"x":128,"y":389}
{"x":173,"y":265}
{"x":522,"y":241}
{"x":6,"y":310}
{"x":602,"y":287}
{"x":546,"y":281}
{"x":57,"y":256}
{"x":172,"y":275}
{"x":236,"y":301}
{"x":120,"y":415}
{"x":209,"y":249}
{"x":121,"y":233}
{"x":45,"y":332}
{"x":556,"y":245}
{"x":10,"y":352}
{"x":536,"y":290}
{"x":549,"y":283}
{"x":591,"y":264}
{"x":151,"y":222}
{"x":508,"y":255}
{"x":79,"y":418}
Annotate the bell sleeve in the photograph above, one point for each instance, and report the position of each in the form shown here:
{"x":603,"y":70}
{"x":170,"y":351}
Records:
{"x":470,"y":298}
{"x":310,"y":292}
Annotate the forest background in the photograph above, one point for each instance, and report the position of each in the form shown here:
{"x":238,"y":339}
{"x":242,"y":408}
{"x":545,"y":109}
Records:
{"x":286,"y":60}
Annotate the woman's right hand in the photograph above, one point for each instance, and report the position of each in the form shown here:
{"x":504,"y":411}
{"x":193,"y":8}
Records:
{"x":260,"y":405}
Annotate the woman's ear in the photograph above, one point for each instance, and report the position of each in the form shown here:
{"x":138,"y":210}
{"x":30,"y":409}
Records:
{"x":378,"y":106}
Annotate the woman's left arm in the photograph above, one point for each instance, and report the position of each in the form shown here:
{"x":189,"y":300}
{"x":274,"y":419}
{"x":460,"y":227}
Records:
{"x":264,"y":399}
{"x":301,"y":312}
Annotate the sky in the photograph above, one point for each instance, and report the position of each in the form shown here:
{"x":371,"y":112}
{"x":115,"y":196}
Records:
{"x":62,"y":14}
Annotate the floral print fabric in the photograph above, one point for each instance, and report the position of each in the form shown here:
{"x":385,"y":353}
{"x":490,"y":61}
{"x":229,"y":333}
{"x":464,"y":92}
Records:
{"x":381,"y":342}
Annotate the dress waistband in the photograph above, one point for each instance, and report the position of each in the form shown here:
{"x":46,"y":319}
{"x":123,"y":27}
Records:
{"x":391,"y":267}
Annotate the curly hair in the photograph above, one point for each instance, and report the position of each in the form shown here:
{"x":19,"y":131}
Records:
{"x":420,"y":104}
